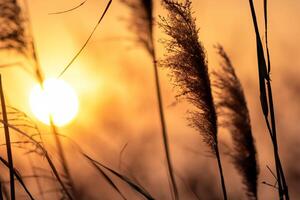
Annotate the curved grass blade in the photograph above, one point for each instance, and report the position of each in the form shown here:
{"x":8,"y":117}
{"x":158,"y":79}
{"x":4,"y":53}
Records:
{"x":45,"y":153}
{"x":107,"y":178}
{"x":68,"y":10}
{"x":88,"y":39}
{"x":134,"y":186}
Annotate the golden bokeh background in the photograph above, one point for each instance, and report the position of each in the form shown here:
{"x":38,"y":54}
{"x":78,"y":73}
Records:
{"x":115,"y":82}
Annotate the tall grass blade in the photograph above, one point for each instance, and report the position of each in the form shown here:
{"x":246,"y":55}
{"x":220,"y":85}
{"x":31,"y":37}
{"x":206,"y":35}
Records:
{"x":107,"y":178}
{"x":68,"y":10}
{"x":282,"y":185}
{"x":262,"y":67}
{"x":272,"y":112}
{"x":45,"y":154}
{"x":125,"y":179}
{"x":62,"y":158}
{"x":8,"y":144}
{"x":1,"y":193}
{"x":266,"y":35}
{"x":187,"y":62}
{"x":232,"y":105}
{"x":88,"y":39}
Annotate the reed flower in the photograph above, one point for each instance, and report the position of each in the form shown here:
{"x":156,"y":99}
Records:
{"x":12,"y":27}
{"x":187,"y":62}
{"x":231,"y":104}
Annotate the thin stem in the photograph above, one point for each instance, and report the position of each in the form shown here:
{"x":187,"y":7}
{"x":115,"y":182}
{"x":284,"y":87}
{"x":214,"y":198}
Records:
{"x":221,"y":173}
{"x":62,"y":156}
{"x":273,"y":125}
{"x":8,"y":144}
{"x":164,"y":130}
{"x":38,"y":69}
{"x":1,"y":193}
{"x":278,"y":174}
{"x":40,"y":77}
{"x":271,"y":105}
{"x":173,"y":185}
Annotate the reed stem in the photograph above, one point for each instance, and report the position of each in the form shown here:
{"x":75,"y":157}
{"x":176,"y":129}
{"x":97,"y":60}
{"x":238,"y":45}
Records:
{"x":8,"y":144}
{"x":282,"y":185}
{"x":164,"y":132}
{"x":62,"y":157}
{"x":221,"y":173}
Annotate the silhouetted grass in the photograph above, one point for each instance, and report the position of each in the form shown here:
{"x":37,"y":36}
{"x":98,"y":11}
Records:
{"x":187,"y":61}
{"x":267,"y":99}
{"x":68,"y":10}
{"x":87,"y":41}
{"x":41,"y":151}
{"x":8,"y":144}
{"x":231,"y":104}
{"x":142,"y":25}
{"x":12,"y":31}
{"x":106,"y":177}
{"x":125,"y":179}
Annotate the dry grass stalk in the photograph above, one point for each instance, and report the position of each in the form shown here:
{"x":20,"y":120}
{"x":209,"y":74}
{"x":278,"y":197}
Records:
{"x":12,"y":30}
{"x":187,"y":62}
{"x":142,"y":22}
{"x":266,"y":98}
{"x":15,"y":34}
{"x":40,"y":150}
{"x":8,"y":143}
{"x":138,"y":189}
{"x":87,"y":40}
{"x":22,"y":25}
{"x":68,"y":10}
{"x":142,"y":25}
{"x":231,"y":104}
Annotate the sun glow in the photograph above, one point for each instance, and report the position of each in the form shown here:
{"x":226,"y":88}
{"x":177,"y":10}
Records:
{"x":56,"y":99}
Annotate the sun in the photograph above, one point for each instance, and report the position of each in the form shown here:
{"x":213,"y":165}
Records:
{"x":56,"y":99}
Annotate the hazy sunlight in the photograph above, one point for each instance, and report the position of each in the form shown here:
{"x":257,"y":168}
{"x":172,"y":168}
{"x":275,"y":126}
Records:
{"x":57,"y":99}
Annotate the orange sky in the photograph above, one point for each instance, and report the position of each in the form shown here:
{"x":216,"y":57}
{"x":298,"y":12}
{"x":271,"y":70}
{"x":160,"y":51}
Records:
{"x":114,"y":80}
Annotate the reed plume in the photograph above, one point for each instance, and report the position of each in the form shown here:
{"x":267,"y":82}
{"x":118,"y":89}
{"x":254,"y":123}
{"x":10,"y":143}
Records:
{"x":142,"y":25}
{"x":142,"y":22}
{"x":231,"y":104}
{"x":15,"y":34}
{"x":187,"y":61}
{"x":12,"y":30}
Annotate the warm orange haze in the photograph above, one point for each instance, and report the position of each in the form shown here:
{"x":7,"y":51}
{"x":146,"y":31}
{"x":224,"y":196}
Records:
{"x":55,"y":98}
{"x":147,"y":105}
